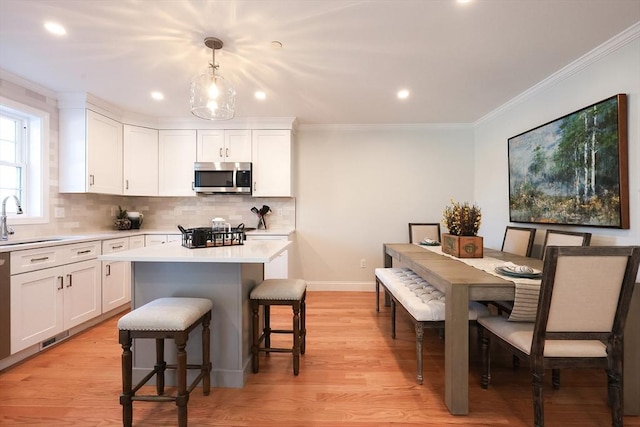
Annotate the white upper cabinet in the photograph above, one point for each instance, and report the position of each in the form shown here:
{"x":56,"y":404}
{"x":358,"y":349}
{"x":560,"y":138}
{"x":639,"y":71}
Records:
{"x":216,"y":145}
{"x":90,"y":152}
{"x":140,"y":161}
{"x":176,"y":156}
{"x":272,"y":163}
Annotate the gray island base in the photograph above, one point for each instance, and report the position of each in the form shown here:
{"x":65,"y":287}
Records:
{"x":225,"y":275}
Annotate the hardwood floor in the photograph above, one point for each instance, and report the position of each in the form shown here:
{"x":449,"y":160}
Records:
{"x":353,"y":374}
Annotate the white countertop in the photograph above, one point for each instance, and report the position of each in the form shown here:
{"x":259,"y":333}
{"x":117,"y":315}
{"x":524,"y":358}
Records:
{"x":16,"y":243}
{"x":252,"y":251}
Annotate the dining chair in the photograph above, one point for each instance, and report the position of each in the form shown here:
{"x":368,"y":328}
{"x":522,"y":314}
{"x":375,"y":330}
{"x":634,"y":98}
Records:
{"x":582,"y":308}
{"x":564,"y":238}
{"x":419,"y":231}
{"x":518,"y":240}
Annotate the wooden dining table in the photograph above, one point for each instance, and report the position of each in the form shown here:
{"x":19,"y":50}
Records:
{"x":462,"y":283}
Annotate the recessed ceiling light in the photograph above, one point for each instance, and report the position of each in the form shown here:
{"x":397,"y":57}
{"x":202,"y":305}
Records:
{"x":276,"y":44}
{"x":158,"y":96}
{"x":55,"y":28}
{"x":403,"y":94}
{"x":260,"y":95}
{"x":463,"y":1}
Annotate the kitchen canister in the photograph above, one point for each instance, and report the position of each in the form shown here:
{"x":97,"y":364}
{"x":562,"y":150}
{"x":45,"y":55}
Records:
{"x":136,"y":219}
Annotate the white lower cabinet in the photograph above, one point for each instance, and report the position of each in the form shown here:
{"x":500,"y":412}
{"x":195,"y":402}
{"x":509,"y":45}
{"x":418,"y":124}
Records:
{"x":48,"y":301}
{"x":279,"y":267}
{"x":116,"y":276}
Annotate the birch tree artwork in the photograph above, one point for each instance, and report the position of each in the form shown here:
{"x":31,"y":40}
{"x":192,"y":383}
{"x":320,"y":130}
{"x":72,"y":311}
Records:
{"x":570,"y":170}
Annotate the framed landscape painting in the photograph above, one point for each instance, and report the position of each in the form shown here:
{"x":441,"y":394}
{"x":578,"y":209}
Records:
{"x":573,"y":170}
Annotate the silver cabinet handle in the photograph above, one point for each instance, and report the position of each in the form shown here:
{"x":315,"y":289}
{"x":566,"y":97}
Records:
{"x":44,"y":258}
{"x":220,"y":154}
{"x":108,"y":270}
{"x":126,"y":184}
{"x":60,"y":282}
{"x":117,"y":247}
{"x":91,"y":180}
{"x":227,"y":152}
{"x":70,"y":277}
{"x":88,"y":251}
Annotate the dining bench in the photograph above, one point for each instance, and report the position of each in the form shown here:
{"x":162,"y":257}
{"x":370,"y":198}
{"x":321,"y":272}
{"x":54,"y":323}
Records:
{"x":422,"y":301}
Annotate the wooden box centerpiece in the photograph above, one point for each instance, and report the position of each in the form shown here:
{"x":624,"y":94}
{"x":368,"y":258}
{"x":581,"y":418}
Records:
{"x":462,"y":246}
{"x":463,"y":222}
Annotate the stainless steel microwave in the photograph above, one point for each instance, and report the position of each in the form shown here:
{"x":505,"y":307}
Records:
{"x":222,"y":177}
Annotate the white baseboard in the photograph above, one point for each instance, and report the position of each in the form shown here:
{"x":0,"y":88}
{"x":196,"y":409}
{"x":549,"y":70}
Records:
{"x":341,"y":286}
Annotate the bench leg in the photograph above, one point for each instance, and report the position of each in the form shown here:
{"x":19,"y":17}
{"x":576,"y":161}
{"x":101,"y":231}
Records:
{"x":419,"y":337}
{"x":393,"y":318}
{"x":377,"y":295}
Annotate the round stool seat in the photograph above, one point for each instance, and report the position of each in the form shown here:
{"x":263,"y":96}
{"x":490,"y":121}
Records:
{"x":165,"y":314}
{"x":280,"y":289}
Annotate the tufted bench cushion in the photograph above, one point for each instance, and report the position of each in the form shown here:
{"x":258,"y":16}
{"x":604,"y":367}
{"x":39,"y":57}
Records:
{"x":165,"y":314}
{"x":280,"y":289}
{"x":421,"y":300}
{"x":424,"y":303}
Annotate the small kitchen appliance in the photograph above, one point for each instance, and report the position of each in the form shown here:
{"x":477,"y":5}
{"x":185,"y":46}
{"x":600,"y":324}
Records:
{"x":222,"y":177}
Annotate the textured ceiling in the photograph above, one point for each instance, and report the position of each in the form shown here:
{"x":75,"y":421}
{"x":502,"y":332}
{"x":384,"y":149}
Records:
{"x":341,"y":62}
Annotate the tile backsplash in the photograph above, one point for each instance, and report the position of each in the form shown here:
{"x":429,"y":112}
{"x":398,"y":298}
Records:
{"x":85,"y":213}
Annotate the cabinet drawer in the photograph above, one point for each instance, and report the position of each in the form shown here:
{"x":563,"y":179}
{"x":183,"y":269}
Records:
{"x":36,"y":259}
{"x":115,"y":245}
{"x":80,"y":251}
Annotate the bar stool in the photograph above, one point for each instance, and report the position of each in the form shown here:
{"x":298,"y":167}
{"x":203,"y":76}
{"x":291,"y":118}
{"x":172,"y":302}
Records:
{"x":172,"y":318}
{"x":279,"y":292}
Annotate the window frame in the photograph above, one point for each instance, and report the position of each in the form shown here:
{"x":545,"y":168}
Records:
{"x":36,"y":172}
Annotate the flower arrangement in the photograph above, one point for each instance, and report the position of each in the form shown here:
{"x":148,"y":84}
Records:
{"x":462,"y":219}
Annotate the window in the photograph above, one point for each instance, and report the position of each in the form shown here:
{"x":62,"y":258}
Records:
{"x":24,"y":149}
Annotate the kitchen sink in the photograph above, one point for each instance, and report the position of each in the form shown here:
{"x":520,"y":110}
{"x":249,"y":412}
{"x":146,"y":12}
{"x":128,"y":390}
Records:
{"x":30,"y":241}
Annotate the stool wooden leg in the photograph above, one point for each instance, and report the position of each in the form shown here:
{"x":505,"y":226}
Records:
{"x":182,"y":398}
{"x":296,"y":337}
{"x":127,"y":368}
{"x":160,"y":367}
{"x":267,"y":327}
{"x":206,"y":355}
{"x":256,"y":336}
{"x":303,"y":325}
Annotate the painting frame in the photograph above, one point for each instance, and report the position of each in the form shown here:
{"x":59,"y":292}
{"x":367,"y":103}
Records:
{"x":573,"y":170}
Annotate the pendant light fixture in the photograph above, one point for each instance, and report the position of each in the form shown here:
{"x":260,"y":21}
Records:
{"x":212,"y":97}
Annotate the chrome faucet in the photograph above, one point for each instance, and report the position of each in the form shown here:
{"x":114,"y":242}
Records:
{"x":4,"y":230}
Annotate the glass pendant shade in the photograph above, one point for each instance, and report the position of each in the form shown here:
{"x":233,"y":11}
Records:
{"x":212,"y":97}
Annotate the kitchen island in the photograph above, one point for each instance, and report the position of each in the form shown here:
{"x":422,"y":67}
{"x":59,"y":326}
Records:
{"x":224,"y":274}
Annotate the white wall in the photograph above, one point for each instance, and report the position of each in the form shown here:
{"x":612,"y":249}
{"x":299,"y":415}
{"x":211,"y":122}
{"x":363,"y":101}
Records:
{"x":359,"y":187}
{"x":597,"y":77}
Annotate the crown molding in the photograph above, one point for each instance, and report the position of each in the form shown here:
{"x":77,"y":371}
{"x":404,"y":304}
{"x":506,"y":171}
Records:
{"x":381,"y":127}
{"x":617,"y":42}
